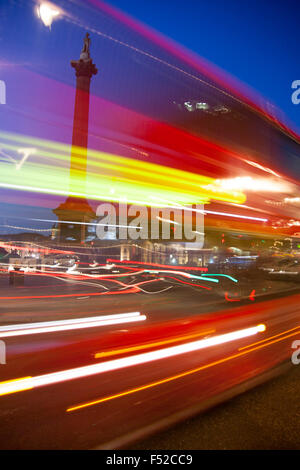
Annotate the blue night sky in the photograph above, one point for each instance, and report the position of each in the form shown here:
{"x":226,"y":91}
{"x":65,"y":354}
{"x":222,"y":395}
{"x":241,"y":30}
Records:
{"x":256,"y":41}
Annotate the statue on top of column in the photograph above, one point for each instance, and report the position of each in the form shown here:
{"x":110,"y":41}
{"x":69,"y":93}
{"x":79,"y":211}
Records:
{"x":85,"y":53}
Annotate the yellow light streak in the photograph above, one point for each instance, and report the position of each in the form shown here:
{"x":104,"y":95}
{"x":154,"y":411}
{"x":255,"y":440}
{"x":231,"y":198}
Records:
{"x":181,"y":375}
{"x":18,"y":389}
{"x":115,"y":176}
{"x":166,"y":380}
{"x":270,"y":337}
{"x":150,"y":345}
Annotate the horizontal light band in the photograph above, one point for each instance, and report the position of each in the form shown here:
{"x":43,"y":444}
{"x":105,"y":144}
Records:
{"x":65,"y":325}
{"x":108,"y":366}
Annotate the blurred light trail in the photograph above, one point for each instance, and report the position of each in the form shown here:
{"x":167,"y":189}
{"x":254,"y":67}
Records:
{"x":133,"y":180}
{"x":168,"y":221}
{"x":247,"y":183}
{"x":26,"y":153}
{"x":133,"y":290}
{"x":252,"y":295}
{"x":19,"y":381}
{"x":86,"y":223}
{"x":65,"y":276}
{"x":263,"y":168}
{"x":188,"y":283}
{"x":30,"y":248}
{"x":144,"y":358}
{"x":221,"y":275}
{"x":231,"y":300}
{"x":189,"y":268}
{"x":72,"y":276}
{"x":87,"y":275}
{"x":238,"y":216}
{"x":292,"y":200}
{"x":181,"y":375}
{"x":226,"y":214}
{"x":203,"y":277}
{"x":136,"y":192}
{"x":177,"y":339}
{"x":270,"y":337}
{"x":65,"y":325}
{"x":214,"y":76}
{"x":191,"y":276}
{"x":28,"y":228}
{"x":171,"y":66}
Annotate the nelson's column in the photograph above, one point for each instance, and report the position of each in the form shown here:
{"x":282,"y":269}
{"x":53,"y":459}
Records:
{"x":77,"y":209}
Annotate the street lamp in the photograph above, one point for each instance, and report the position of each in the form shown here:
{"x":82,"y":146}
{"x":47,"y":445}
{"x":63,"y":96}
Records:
{"x":48,"y":12}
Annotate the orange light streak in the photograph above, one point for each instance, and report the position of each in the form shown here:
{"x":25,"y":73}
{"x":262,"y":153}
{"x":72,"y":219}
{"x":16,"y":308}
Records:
{"x":150,"y":345}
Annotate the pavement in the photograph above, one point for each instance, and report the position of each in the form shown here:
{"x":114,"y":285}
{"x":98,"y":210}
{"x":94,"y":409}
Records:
{"x":267,"y":417}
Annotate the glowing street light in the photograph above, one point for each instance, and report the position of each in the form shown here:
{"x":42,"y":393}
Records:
{"x":47,"y":12}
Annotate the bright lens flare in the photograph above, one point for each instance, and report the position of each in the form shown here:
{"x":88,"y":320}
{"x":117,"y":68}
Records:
{"x":261,"y":328}
{"x":117,"y":364}
{"x":47,"y":12}
{"x":247,"y":183}
{"x":19,"y":387}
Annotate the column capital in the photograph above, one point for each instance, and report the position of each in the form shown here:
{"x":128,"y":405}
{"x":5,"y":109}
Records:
{"x":84,"y":68}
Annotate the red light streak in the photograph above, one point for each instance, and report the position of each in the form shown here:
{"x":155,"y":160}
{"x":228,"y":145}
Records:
{"x":252,"y":295}
{"x":132,"y":290}
{"x":128,"y":361}
{"x":191,"y":268}
{"x":231,"y":300}
{"x":189,"y":283}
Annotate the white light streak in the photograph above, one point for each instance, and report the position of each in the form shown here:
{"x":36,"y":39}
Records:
{"x":26,"y":153}
{"x":18,"y":385}
{"x":65,"y":325}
